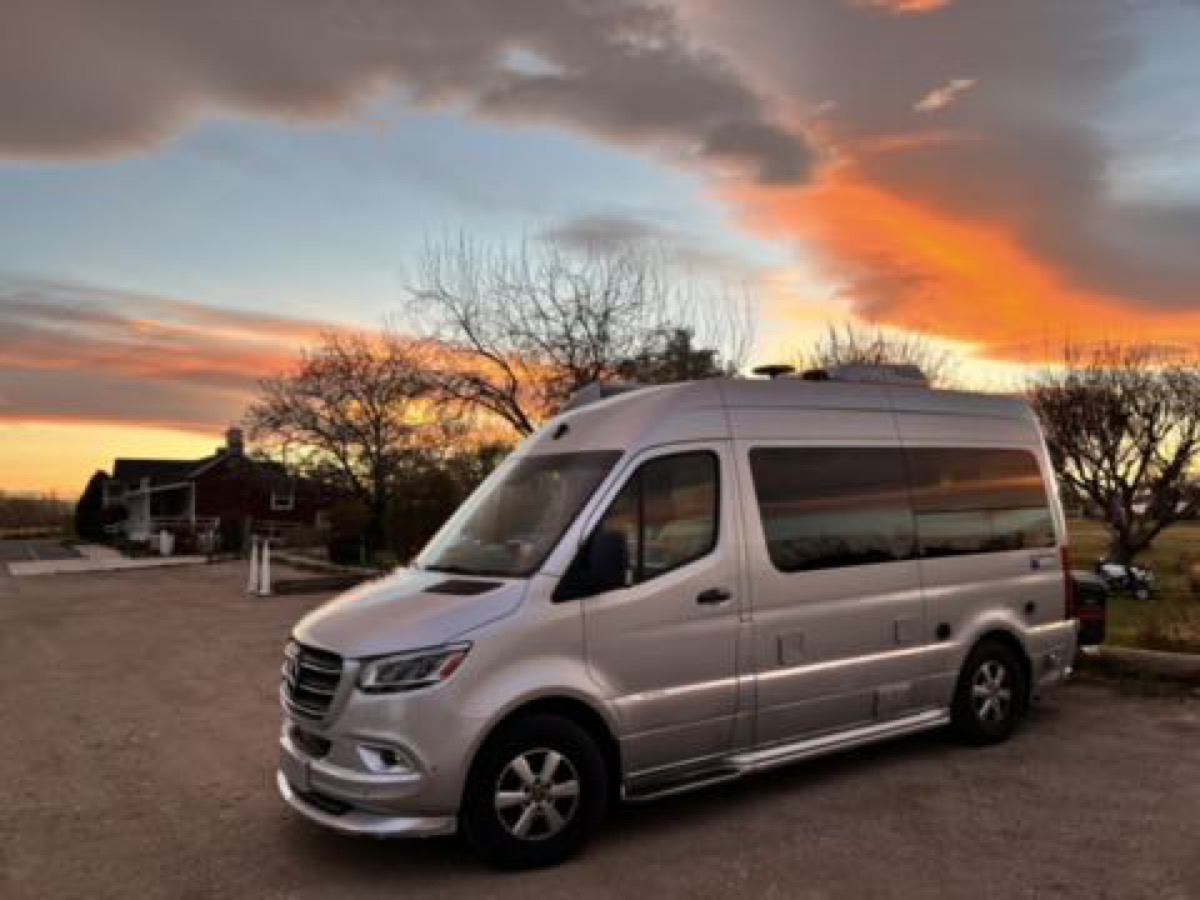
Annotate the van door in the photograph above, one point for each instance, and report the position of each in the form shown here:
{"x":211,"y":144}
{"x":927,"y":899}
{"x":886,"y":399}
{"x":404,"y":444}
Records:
{"x":839,"y":619}
{"x":665,"y":645}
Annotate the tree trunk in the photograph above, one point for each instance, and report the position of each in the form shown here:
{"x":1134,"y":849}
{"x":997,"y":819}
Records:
{"x":376,"y":536}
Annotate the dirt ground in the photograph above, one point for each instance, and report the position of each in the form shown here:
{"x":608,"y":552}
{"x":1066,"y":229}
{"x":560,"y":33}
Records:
{"x":138,"y":747}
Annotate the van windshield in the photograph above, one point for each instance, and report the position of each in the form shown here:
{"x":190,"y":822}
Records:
{"x":514,"y":519}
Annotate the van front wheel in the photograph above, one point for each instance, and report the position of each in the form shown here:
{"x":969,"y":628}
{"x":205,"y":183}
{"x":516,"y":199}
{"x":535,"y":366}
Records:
{"x":535,"y":793}
{"x":990,"y":695}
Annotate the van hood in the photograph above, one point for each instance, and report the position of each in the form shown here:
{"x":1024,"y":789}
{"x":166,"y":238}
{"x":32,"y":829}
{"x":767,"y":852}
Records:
{"x":407,"y":610}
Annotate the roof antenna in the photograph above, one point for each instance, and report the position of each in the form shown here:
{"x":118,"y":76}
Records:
{"x":774,"y":371}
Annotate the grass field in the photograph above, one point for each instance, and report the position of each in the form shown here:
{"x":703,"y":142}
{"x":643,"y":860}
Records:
{"x":1170,"y":621}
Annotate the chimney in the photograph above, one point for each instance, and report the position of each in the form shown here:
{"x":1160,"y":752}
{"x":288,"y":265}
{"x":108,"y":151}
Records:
{"x":235,"y":442}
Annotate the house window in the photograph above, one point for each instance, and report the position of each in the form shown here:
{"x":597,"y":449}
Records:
{"x":283,"y":497}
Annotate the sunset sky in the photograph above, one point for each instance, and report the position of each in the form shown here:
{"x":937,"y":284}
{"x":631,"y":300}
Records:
{"x":190,"y":192}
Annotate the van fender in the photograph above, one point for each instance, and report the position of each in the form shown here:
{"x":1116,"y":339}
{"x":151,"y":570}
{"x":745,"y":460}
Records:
{"x":527,"y":682}
{"x":1001,"y":622}
{"x":989,"y":621}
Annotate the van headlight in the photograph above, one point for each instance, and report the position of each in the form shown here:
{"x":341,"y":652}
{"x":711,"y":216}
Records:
{"x":413,"y":670}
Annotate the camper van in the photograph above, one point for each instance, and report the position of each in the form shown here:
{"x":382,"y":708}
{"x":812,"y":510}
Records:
{"x":669,"y":587}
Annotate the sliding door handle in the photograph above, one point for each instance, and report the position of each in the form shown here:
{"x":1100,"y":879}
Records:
{"x":713,"y":597}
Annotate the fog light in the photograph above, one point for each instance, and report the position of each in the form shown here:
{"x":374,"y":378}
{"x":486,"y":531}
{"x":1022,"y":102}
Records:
{"x":385,"y":759}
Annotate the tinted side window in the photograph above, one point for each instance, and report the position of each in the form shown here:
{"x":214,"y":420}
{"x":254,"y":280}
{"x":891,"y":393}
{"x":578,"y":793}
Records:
{"x":667,"y":513}
{"x":825,"y":507}
{"x":978,"y":500}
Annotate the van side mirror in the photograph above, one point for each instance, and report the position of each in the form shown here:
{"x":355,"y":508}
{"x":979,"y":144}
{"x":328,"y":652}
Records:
{"x":602,"y":564}
{"x":607,"y":562}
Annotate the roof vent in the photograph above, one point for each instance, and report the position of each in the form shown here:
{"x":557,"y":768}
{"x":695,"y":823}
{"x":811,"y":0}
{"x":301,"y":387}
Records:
{"x":905,"y":374}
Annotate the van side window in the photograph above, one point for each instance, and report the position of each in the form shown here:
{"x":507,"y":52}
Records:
{"x":667,"y":513}
{"x":827,"y":507}
{"x":978,"y":500}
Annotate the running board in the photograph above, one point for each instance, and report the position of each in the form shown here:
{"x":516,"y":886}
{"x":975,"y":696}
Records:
{"x":782,"y":754}
{"x":734,"y":767}
{"x":678,"y":784}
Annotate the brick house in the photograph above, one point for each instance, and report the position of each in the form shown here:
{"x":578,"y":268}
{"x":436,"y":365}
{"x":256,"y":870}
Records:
{"x":223,"y":496}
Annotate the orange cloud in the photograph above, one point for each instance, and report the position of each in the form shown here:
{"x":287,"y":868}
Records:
{"x":73,"y":353}
{"x":917,"y":267}
{"x":905,"y":7}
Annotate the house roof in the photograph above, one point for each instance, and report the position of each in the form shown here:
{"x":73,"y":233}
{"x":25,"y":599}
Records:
{"x":130,"y":472}
{"x":160,"y":471}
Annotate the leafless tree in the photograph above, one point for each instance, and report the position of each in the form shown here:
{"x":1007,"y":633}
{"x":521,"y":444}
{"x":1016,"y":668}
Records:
{"x":355,"y":408}
{"x":856,"y":343}
{"x":1123,"y":428}
{"x":523,"y":328}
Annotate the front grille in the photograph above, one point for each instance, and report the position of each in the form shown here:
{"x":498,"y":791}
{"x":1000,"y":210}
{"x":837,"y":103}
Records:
{"x":310,"y":680}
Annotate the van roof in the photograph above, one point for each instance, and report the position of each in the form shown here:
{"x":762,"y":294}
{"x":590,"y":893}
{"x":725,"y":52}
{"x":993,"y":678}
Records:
{"x":796,"y":392}
{"x":633,"y":413}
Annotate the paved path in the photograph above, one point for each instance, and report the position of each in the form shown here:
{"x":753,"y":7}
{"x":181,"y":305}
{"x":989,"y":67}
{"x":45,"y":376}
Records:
{"x":52,"y":558}
{"x":78,"y":566}
{"x":30,"y":549}
{"x":138,"y":750}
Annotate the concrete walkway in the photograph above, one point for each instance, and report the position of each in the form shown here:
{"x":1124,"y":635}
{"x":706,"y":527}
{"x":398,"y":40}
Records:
{"x":33,"y":549}
{"x":98,"y":558}
{"x":1129,"y":661}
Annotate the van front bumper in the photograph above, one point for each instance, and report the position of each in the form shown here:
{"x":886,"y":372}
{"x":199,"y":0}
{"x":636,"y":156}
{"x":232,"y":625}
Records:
{"x":353,"y":802}
{"x":359,"y":822}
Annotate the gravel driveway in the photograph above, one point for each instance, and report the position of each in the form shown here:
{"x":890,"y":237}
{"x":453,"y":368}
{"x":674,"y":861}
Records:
{"x":138,"y":745}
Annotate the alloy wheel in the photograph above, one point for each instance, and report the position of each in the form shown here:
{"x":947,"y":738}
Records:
{"x":537,"y":794}
{"x":991,"y":692}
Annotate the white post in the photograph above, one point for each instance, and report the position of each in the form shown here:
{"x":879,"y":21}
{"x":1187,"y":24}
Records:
{"x":264,"y":580}
{"x":252,"y":583}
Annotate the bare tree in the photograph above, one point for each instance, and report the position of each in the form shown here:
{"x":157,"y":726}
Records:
{"x":853,"y":343}
{"x":1123,"y":428}
{"x":355,"y":408}
{"x":524,"y":328}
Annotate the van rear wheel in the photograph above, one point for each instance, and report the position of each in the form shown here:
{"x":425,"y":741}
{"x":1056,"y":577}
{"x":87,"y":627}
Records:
{"x":536,"y":792}
{"x":990,"y":695}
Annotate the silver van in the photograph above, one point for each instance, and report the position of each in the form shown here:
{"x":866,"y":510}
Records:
{"x":681,"y":585}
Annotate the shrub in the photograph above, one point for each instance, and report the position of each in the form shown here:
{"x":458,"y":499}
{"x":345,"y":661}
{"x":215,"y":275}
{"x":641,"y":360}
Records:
{"x":348,"y":522}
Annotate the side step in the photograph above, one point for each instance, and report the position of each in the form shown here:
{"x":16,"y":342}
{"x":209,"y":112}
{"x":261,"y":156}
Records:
{"x":782,"y":754}
{"x":739,"y":764}
{"x":653,"y":788}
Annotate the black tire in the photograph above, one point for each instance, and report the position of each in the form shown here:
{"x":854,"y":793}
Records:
{"x":492,"y":831}
{"x":991,"y":694}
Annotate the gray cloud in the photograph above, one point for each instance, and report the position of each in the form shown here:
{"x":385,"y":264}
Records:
{"x":62,"y":396}
{"x":690,"y":252}
{"x":82,"y":79}
{"x":705,"y":80}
